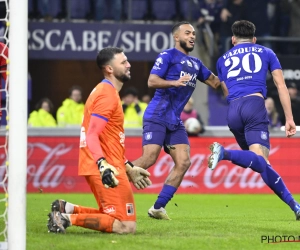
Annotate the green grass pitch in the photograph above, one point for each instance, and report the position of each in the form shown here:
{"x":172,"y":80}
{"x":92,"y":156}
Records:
{"x":198,"y":222}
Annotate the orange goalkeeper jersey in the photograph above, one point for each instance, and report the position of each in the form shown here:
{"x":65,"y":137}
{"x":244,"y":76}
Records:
{"x":103,"y":102}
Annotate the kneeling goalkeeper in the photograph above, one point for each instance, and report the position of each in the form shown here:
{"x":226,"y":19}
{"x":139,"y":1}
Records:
{"x":102,"y":157}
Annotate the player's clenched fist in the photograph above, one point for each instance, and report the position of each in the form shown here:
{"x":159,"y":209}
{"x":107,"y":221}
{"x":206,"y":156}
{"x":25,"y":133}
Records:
{"x":290,"y":128}
{"x":138,"y":176}
{"x":108,"y":173}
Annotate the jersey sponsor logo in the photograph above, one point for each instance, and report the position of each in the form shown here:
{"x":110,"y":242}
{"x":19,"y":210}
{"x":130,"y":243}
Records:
{"x":193,"y":76}
{"x":192,"y":84}
{"x":242,"y":51}
{"x":129,"y":209}
{"x":148,"y":136}
{"x":109,"y":209}
{"x":82,"y":143}
{"x":156,"y":68}
{"x":189,"y":64}
{"x":122,"y":138}
{"x":263,"y":135}
{"x":159,"y":61}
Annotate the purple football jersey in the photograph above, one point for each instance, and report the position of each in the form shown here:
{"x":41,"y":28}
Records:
{"x":167,"y":103}
{"x":244,"y":69}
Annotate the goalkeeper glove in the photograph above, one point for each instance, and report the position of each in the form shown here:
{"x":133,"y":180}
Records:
{"x":108,"y":173}
{"x":138,"y":176}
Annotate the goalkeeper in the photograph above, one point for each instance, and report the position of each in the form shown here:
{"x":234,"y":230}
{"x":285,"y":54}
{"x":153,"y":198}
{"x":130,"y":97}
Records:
{"x":101,"y":157}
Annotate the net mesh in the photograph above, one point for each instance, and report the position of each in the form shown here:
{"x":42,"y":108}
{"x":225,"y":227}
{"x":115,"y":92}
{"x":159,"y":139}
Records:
{"x":4,"y":72}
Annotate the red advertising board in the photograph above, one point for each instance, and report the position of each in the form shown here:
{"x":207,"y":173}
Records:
{"x":52,"y":167}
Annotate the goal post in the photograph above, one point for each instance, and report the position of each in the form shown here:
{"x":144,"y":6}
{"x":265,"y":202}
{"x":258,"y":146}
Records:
{"x":17,"y":122}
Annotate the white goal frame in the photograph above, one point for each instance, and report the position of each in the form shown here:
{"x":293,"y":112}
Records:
{"x":17,"y":143}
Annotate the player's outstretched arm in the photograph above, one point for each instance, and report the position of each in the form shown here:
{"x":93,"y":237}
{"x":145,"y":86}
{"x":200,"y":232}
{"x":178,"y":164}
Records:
{"x":156,"y":82}
{"x":138,"y":176}
{"x":213,"y":81}
{"x":285,"y":100}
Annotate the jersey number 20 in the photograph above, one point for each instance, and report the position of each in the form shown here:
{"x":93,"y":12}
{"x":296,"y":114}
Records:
{"x":235,"y":68}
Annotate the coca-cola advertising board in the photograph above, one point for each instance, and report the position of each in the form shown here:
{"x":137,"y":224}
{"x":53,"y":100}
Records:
{"x":52,"y":166}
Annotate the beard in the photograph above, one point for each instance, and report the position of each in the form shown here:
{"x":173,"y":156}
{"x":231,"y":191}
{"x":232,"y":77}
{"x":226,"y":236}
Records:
{"x":185,"y":47}
{"x":122,"y":77}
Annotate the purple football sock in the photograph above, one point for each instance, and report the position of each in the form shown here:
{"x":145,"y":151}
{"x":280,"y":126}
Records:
{"x":275,"y":182}
{"x":246,"y":159}
{"x":165,"y":196}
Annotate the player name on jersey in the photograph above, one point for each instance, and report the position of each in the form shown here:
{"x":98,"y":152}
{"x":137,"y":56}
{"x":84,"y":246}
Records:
{"x":242,"y":51}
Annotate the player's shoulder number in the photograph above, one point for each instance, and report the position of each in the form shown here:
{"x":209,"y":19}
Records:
{"x":237,"y":64}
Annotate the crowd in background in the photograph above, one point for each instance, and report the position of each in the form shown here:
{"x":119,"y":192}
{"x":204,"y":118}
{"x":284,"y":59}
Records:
{"x":278,"y":18}
{"x":70,"y":113}
{"x":271,"y":17}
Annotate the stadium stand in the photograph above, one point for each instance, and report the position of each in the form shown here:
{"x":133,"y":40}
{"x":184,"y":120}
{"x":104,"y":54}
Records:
{"x":163,"y":9}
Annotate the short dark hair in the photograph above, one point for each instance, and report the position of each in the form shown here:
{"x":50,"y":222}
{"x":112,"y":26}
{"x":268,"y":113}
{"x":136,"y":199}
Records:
{"x":106,"y":55}
{"x":131,"y":91}
{"x":291,"y":85}
{"x":243,"y":29}
{"x":177,"y":25}
{"x":39,"y":104}
{"x":75,"y":87}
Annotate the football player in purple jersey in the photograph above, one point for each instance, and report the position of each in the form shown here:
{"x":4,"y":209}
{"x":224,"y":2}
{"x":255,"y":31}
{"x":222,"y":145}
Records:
{"x":174,"y":76}
{"x":242,"y":72}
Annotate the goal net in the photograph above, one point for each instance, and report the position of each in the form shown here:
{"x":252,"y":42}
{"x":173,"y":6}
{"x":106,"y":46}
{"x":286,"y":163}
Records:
{"x":4,"y":24}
